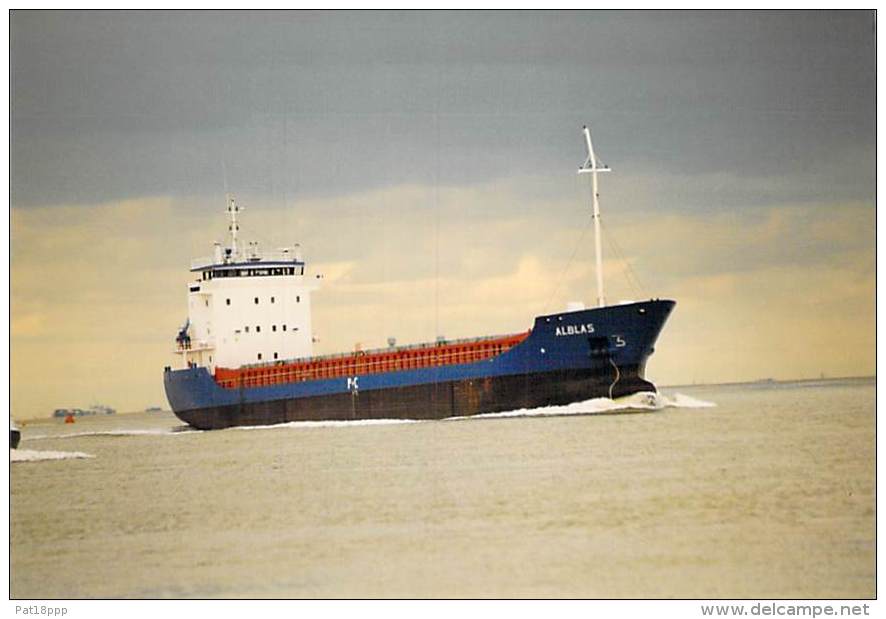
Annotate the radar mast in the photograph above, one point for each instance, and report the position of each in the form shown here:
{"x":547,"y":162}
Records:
{"x":234,"y":227}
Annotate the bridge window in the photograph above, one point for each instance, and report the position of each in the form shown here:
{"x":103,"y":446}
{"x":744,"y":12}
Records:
{"x":246,"y":329}
{"x":259,"y":356}
{"x":256,"y":300}
{"x":257,"y":329}
{"x":275,"y":355}
{"x":284,"y":327}
{"x":274,"y":328}
{"x":297,"y":299}
{"x":272,"y":299}
{"x":227,"y":301}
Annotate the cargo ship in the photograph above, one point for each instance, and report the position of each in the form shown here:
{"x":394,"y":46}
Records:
{"x":246,"y":350}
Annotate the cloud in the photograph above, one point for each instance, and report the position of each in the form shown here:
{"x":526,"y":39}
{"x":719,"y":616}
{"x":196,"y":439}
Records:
{"x":110,"y":106}
{"x":98,"y":292}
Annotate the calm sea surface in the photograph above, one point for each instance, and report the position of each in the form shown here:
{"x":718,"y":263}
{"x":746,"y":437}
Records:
{"x":768,"y":494}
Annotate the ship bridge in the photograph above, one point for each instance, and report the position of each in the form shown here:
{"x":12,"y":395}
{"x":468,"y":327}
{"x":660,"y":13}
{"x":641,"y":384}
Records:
{"x":259,"y":264}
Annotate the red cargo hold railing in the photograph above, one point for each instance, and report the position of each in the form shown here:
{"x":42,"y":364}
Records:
{"x":368,"y":362}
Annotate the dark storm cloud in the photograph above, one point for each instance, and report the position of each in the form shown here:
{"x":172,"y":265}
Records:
{"x":117,"y":105}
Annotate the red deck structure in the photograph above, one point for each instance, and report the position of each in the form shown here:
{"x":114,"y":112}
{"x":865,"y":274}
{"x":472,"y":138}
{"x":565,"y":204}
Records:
{"x":368,"y":362}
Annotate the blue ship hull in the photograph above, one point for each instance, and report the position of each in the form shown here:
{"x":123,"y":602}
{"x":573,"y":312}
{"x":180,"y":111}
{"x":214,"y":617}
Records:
{"x":568,"y":357}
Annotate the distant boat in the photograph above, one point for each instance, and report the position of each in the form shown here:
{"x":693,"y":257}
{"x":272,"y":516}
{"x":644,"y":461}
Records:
{"x":95,"y":409}
{"x":153,"y":409}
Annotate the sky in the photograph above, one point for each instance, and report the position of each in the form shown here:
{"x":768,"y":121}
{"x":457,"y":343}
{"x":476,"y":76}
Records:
{"x":426,"y":163}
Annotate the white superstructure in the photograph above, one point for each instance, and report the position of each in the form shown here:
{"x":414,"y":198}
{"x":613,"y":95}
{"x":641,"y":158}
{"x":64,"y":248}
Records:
{"x":246,"y":306}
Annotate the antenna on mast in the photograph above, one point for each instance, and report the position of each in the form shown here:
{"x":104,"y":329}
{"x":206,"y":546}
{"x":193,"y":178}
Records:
{"x":592,"y":166}
{"x":233,"y":227}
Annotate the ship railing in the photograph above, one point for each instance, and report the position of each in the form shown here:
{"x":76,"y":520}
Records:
{"x":264,"y":256}
{"x":388,"y":349}
{"x":194,"y":346}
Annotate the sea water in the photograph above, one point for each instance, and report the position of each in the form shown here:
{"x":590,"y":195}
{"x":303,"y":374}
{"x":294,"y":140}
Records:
{"x":763,"y":491}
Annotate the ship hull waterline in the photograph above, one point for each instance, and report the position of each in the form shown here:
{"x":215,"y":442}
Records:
{"x":559,"y":363}
{"x":423,"y":402}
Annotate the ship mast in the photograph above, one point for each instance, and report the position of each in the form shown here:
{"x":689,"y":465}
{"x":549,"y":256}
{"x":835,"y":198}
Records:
{"x":591,"y":167}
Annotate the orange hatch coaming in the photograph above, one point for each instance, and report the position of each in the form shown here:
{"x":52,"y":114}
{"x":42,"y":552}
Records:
{"x":369,"y":362}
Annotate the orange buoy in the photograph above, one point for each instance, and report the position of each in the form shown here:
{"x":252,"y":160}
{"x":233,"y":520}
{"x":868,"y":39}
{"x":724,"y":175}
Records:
{"x":69,"y":418}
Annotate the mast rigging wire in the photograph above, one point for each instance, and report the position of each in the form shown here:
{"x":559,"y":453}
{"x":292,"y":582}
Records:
{"x":563,"y":273}
{"x":630,"y":275}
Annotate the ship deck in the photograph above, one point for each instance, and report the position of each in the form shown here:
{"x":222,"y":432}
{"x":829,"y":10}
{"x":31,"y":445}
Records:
{"x":374,"y":361}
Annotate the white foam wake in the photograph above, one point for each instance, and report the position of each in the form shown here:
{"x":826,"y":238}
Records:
{"x":30,"y":455}
{"x":645,"y":401}
{"x":330,"y":424}
{"x":680,"y":400}
{"x":635,"y":402}
{"x":135,"y":432}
